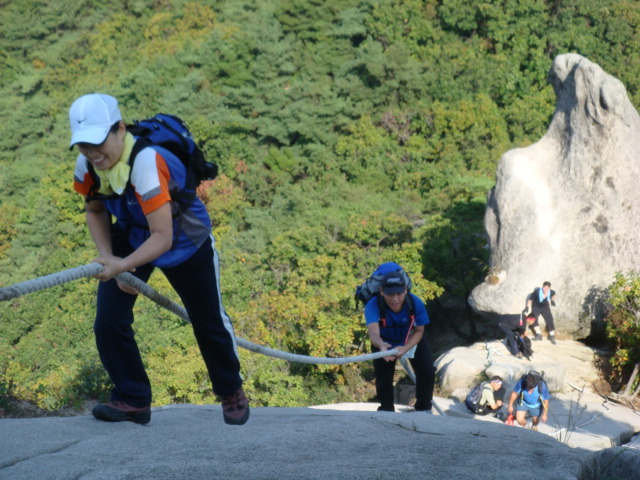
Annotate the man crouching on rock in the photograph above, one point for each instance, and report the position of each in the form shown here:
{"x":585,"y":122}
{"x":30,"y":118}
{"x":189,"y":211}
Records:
{"x":515,"y":329}
{"x":396,"y":318}
{"x":532,"y":397}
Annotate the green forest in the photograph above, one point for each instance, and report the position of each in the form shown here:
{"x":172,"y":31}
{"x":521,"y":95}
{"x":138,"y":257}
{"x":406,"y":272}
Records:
{"x":348,"y":133}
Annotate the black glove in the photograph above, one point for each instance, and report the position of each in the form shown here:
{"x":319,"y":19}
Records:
{"x":553,"y":304}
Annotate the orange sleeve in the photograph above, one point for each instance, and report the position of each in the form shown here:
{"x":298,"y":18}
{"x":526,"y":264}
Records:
{"x":162,"y":196}
{"x":83,"y":187}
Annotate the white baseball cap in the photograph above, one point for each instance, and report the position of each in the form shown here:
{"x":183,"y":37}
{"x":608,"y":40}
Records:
{"x":91,"y":117}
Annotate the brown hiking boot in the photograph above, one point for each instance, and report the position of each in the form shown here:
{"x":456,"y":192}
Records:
{"x":235,"y":408}
{"x":120,"y":411}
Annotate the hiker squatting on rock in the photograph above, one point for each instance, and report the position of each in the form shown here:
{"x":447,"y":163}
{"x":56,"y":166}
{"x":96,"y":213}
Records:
{"x":138,"y":192}
{"x":487,"y":398}
{"x":531,"y":396}
{"x":396,"y":318}
{"x":515,"y":328}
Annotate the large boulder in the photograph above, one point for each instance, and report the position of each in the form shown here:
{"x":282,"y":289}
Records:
{"x":620,"y":463}
{"x":192,"y":442}
{"x":462,"y":367}
{"x":580,"y":417}
{"x":566,"y":209}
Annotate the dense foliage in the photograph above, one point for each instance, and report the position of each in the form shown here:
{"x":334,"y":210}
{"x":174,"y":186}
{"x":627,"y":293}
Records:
{"x":348,"y":132}
{"x":623,"y":326}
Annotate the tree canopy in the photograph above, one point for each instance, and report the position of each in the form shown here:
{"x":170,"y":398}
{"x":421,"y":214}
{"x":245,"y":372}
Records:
{"x":348,"y":133}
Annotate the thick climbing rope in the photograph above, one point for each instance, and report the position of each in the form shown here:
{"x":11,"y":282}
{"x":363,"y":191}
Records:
{"x":491,"y":353}
{"x":89,"y":270}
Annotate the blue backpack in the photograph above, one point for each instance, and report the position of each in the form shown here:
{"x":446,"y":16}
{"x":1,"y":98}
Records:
{"x":371,"y":286}
{"x":472,"y":400}
{"x":171,"y":133}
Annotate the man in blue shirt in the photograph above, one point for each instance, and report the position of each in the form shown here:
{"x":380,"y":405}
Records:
{"x":533,"y":398}
{"x":396,"y":318}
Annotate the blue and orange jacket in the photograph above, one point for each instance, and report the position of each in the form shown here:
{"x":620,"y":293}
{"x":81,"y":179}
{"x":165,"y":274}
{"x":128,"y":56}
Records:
{"x":155,"y":175}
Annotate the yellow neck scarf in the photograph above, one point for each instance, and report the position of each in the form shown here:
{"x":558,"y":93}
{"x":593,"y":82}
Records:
{"x":115,"y":178}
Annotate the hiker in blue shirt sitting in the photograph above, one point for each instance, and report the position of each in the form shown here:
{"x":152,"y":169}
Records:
{"x":396,"y":318}
{"x":532,"y":395}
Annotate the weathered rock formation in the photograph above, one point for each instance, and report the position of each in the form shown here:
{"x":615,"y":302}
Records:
{"x":579,"y":415}
{"x":191,"y":442}
{"x":565,"y":364}
{"x":617,"y":462}
{"x":567,"y":208}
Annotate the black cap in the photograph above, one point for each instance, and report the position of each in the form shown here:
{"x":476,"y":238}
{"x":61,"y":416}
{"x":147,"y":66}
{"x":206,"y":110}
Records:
{"x":393,"y":283}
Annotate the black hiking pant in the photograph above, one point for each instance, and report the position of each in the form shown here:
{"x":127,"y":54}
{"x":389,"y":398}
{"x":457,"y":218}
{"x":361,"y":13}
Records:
{"x":545,"y":311}
{"x":197,"y":282}
{"x":512,"y":342}
{"x":422,"y":364}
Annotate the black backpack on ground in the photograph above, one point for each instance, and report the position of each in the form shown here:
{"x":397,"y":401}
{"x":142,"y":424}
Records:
{"x":524,"y":346}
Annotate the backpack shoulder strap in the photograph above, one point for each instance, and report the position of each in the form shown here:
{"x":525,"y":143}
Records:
{"x":182,"y":197}
{"x":412,"y":315}
{"x":542,"y":383}
{"x":521,"y":394}
{"x":141,"y":134}
{"x":141,"y":144}
{"x":411,"y":305}
{"x":382,"y":310}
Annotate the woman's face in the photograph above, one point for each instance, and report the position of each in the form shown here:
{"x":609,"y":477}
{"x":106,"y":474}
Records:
{"x":107,"y":154}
